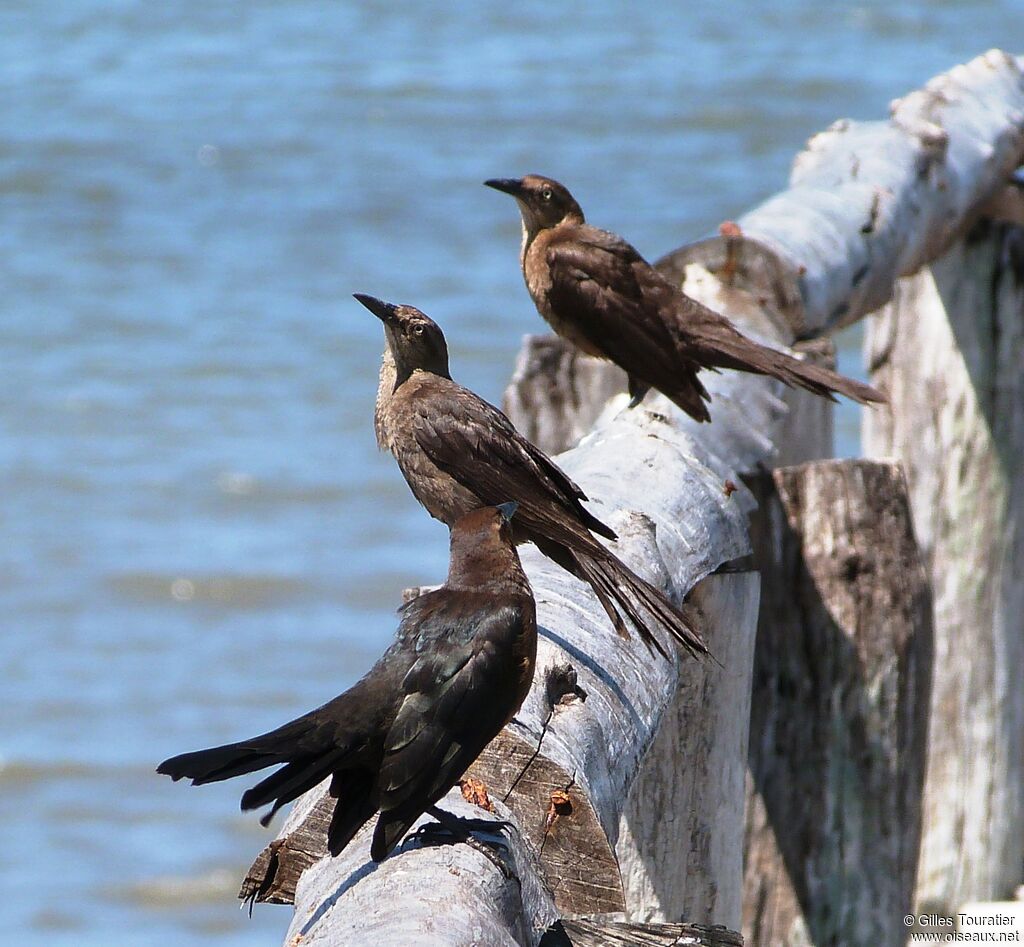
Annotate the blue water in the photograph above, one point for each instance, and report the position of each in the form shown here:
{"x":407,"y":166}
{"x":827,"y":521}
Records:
{"x":199,"y":536}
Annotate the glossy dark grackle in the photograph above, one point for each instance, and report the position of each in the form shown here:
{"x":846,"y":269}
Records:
{"x":400,"y":738}
{"x":596,"y":291}
{"x":457,"y":452}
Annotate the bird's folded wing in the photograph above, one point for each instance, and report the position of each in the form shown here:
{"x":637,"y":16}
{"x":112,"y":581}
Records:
{"x":617,"y":295}
{"x":452,"y":708}
{"x":479,"y":447}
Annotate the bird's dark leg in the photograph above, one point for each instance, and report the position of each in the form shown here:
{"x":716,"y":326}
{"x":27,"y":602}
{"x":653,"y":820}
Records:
{"x":637,"y":390}
{"x":461,"y":823}
{"x":462,"y":830}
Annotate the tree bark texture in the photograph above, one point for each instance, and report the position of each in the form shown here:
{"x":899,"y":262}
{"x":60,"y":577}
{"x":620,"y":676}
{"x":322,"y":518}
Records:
{"x":586,"y":932}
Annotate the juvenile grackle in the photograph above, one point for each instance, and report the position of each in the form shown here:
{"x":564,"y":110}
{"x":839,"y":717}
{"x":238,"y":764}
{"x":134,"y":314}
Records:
{"x":457,"y":452}
{"x":598,"y":292}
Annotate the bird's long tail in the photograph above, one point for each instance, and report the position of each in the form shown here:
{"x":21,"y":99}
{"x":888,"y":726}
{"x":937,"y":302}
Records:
{"x":746,"y":355}
{"x":236,"y":759}
{"x":308,"y":761}
{"x":621,"y":591}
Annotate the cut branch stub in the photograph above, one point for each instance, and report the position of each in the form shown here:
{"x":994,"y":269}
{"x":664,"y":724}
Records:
{"x":302,"y":842}
{"x":749,"y":267}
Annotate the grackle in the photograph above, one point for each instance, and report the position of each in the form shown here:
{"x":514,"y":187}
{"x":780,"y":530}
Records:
{"x":457,"y":452}
{"x":598,"y":292}
{"x":400,"y":738}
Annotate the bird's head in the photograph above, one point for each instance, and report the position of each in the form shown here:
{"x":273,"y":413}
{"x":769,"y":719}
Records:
{"x":483,"y":548}
{"x":544,"y":203}
{"x":415,"y":340}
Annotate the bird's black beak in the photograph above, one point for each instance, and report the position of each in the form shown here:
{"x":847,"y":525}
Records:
{"x":386,"y":312}
{"x":507,"y":510}
{"x":513,"y":186}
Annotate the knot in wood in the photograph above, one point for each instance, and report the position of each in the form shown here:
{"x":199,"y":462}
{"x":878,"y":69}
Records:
{"x":561,"y":687}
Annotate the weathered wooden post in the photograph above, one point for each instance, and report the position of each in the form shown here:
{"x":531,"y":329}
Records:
{"x":841,"y":682}
{"x":950,"y":350}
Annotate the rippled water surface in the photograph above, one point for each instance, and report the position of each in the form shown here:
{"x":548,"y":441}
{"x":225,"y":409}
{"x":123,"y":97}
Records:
{"x":199,"y":537}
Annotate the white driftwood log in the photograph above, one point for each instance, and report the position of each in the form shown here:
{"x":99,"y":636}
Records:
{"x":686,"y":519}
{"x":872,"y":201}
{"x":868,"y":203}
{"x":950,"y":350}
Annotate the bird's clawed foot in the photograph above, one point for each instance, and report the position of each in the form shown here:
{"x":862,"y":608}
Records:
{"x":451,"y":827}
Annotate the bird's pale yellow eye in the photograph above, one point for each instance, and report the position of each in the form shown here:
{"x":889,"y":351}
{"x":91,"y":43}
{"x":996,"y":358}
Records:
{"x":545,"y":194}
{"x":419,"y":329}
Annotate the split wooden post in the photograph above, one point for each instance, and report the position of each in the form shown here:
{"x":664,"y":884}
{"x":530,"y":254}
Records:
{"x":950,"y":350}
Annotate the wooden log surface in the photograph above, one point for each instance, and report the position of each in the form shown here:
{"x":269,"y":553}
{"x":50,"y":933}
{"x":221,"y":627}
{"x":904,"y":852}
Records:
{"x":588,"y":932}
{"x":840,"y":697}
{"x":870,"y":202}
{"x":950,"y":350}
{"x":680,"y":842}
{"x":592,"y":747}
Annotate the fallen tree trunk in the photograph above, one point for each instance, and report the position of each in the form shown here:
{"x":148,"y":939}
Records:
{"x":671,"y":488}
